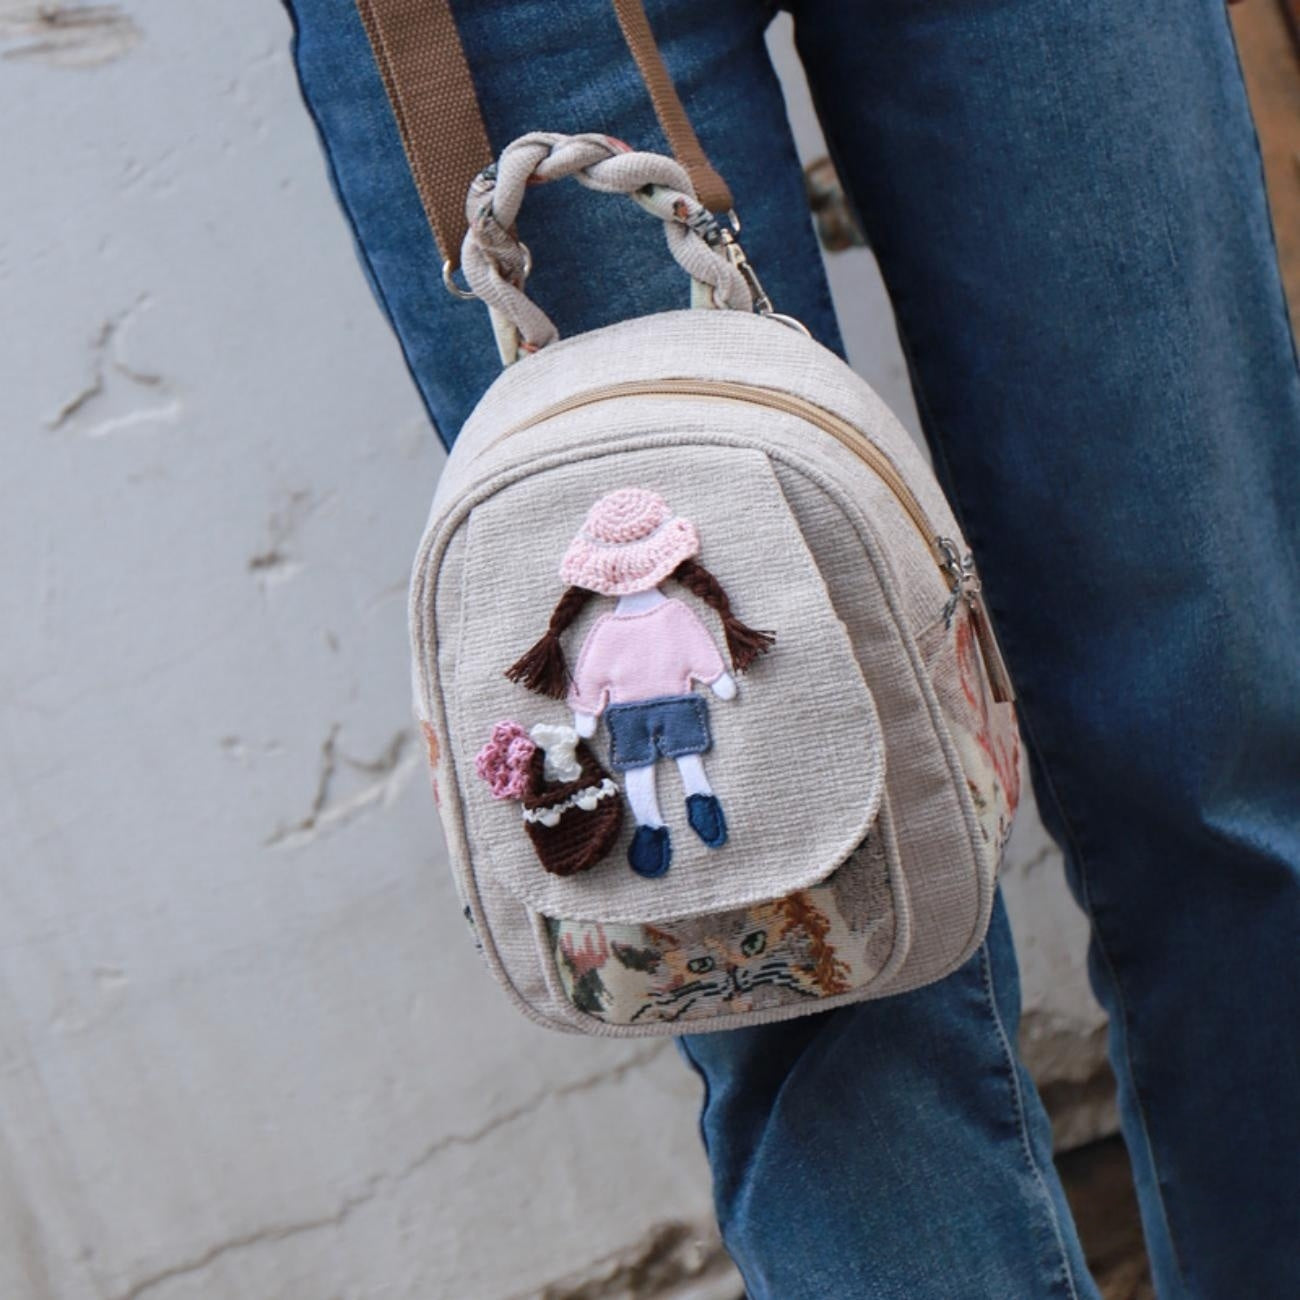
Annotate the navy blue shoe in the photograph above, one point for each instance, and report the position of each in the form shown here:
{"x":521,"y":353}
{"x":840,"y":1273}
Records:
{"x":704,"y":813}
{"x":650,"y":851}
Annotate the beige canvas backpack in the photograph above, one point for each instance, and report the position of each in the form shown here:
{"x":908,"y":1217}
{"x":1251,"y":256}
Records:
{"x":718,"y":723}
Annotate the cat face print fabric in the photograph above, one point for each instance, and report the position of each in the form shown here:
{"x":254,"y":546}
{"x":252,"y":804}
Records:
{"x":816,"y":943}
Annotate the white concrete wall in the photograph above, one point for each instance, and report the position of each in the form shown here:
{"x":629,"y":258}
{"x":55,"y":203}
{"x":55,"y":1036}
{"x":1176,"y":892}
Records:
{"x":246,"y":1052}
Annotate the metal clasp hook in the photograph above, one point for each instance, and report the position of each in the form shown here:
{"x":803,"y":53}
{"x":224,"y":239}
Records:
{"x":735,"y":254}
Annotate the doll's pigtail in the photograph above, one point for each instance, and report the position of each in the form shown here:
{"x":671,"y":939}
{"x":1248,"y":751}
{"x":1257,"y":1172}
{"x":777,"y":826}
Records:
{"x":542,"y":668}
{"x":744,"y":643}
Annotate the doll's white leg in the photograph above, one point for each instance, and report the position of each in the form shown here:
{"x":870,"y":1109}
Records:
{"x":640,"y":785}
{"x":691,"y":767}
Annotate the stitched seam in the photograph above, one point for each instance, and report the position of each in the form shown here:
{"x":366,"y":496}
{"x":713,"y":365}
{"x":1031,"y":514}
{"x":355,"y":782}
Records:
{"x":1121,"y":1002}
{"x":1121,"y":1019}
{"x":986,"y":972}
{"x":684,"y":1048}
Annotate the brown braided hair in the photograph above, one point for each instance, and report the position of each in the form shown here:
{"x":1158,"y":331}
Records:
{"x":744,"y":643}
{"x":542,"y":668}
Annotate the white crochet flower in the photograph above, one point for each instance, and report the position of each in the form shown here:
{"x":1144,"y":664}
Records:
{"x":558,"y":743}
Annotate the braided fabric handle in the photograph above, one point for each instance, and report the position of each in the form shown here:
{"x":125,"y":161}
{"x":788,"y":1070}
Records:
{"x":495,"y":262}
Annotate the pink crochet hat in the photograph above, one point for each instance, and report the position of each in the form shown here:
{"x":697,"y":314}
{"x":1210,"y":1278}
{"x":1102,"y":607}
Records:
{"x":630,"y":541}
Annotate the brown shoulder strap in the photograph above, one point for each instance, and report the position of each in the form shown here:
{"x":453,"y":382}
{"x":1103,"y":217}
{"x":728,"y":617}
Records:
{"x":422,"y":63}
{"x":420,"y":58}
{"x":688,"y":151}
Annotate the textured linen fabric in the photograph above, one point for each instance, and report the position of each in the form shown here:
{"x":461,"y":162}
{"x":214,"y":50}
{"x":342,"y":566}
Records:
{"x":949,"y":881}
{"x":833,"y":938}
{"x":862,"y":541}
{"x":1067,"y":205}
{"x":721,"y":346}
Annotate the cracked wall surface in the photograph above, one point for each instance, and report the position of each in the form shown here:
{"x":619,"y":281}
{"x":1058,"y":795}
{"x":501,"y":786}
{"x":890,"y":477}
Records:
{"x":246,"y":1049}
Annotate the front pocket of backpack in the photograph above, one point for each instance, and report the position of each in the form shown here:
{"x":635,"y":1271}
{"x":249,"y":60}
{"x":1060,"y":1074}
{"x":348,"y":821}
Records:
{"x":795,"y":760}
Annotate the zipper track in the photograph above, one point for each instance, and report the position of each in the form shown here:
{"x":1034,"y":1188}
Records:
{"x":755,"y":395}
{"x":960,"y":580}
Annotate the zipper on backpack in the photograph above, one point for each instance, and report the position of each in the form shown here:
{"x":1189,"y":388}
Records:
{"x":958,"y":570}
{"x":965,"y":585}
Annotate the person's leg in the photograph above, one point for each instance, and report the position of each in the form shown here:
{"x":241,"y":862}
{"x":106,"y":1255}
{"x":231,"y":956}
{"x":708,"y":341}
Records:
{"x":1067,"y":205}
{"x":890,"y":1149}
{"x":893,"y":1149}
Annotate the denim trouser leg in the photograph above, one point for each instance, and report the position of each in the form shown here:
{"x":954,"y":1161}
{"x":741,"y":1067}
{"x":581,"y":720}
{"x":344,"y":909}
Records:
{"x":1066,"y":202}
{"x":891,"y":1149}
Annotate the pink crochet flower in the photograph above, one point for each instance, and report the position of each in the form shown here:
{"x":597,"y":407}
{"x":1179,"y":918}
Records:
{"x":504,"y":761}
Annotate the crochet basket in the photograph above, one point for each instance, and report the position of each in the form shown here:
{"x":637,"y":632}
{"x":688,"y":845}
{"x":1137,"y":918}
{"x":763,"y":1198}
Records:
{"x":573,"y":824}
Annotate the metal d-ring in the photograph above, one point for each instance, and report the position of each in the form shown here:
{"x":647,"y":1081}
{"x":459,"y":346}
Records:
{"x":468,"y":295}
{"x":528,"y":264}
{"x":449,"y":283}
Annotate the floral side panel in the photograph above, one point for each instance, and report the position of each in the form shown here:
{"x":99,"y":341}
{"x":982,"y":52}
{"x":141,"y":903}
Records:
{"x":985,"y":732}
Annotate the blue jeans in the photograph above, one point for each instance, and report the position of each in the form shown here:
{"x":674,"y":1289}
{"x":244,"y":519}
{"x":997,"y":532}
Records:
{"x":643,"y":731}
{"x":1066,"y":202}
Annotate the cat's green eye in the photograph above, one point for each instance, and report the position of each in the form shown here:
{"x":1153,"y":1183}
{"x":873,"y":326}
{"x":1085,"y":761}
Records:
{"x":700,"y":965}
{"x":754,"y":943}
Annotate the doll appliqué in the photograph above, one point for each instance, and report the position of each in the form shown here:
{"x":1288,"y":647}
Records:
{"x":571,"y":809}
{"x":640,"y":662}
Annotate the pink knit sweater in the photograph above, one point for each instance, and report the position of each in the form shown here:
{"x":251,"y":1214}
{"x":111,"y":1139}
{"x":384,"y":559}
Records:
{"x":661,"y":651}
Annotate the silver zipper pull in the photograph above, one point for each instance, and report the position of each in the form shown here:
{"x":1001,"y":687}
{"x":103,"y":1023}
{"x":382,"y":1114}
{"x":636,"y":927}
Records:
{"x":965,"y":585}
{"x":999,"y":676}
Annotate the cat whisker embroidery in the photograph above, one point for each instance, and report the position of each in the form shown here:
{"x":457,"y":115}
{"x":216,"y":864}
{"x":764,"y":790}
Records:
{"x":672,"y":1004}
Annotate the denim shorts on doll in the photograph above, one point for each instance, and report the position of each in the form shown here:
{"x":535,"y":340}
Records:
{"x":668,"y":726}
